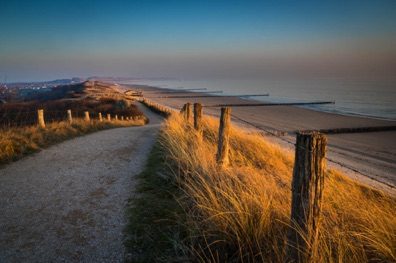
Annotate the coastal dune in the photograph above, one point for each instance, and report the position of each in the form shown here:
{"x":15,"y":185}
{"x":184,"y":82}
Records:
{"x":368,"y":157}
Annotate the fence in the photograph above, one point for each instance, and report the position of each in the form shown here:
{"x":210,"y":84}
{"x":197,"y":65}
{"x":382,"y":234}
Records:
{"x":158,"y":108}
{"x":188,"y":113}
{"x":41,"y":117}
{"x":307,"y":181}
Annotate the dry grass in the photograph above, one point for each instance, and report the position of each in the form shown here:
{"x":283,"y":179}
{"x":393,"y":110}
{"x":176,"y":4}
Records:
{"x":242,"y":213}
{"x":19,"y":141}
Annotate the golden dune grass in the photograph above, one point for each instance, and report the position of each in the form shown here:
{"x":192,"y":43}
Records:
{"x":242,"y":213}
{"x":16,"y":142}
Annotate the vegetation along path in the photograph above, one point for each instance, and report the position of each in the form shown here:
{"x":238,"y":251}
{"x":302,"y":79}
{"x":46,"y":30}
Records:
{"x":68,"y":202}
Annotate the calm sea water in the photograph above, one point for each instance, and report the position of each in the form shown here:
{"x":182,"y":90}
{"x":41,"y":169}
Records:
{"x":366,"y":98}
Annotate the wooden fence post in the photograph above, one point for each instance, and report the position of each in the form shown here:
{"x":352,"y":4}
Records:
{"x":86,"y":116}
{"x":41,"y":122}
{"x":108,"y":117}
{"x":307,"y":187}
{"x":198,"y":117}
{"x":186,"y":111}
{"x":116,"y":118}
{"x":224,"y":134}
{"x":122,"y":118}
{"x":69,"y":117}
{"x":100,"y":117}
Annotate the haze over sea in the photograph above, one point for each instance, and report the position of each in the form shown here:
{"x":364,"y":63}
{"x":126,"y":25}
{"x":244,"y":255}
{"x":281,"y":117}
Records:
{"x":237,"y":46}
{"x":374,"y":98}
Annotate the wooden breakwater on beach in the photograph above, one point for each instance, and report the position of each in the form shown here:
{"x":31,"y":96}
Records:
{"x":358,"y":130}
{"x":202,"y":95}
{"x":271,"y":104}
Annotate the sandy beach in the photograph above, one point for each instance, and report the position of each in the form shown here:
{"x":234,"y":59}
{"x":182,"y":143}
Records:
{"x":372,"y":154}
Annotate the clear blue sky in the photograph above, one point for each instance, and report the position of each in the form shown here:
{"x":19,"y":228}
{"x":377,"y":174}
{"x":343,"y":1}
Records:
{"x":43,"y":40}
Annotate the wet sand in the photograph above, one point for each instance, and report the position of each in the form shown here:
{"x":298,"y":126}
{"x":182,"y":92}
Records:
{"x":373,"y":154}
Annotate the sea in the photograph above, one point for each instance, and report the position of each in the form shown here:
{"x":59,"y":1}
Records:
{"x":370,"y":98}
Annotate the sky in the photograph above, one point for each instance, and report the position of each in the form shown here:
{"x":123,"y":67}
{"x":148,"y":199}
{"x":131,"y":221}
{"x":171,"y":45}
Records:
{"x":45,"y":40}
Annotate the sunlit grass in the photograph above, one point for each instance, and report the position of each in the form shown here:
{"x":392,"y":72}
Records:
{"x":19,"y":141}
{"x":242,"y":213}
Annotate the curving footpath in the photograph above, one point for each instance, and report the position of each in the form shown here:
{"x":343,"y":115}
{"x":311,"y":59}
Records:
{"x":68,"y":203}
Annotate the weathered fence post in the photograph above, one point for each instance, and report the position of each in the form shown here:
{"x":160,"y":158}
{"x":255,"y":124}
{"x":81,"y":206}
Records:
{"x":69,"y":117}
{"x":224,"y":134}
{"x":100,"y":117}
{"x":116,"y":118}
{"x":307,"y":187}
{"x":186,"y":111}
{"x":41,"y":122}
{"x":198,"y":117}
{"x":122,"y":118}
{"x":86,"y":116}
{"x":108,"y":117}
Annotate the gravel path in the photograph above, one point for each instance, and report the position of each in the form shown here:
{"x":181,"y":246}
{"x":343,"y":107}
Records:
{"x":68,"y":202}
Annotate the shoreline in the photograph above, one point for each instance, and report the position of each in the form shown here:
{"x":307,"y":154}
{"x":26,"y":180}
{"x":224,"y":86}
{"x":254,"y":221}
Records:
{"x":352,"y":114}
{"x":352,"y":96}
{"x":337,"y":112}
{"x":371,"y":154}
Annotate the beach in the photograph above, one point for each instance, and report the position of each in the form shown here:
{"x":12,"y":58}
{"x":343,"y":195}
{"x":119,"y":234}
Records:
{"x":368,"y":157}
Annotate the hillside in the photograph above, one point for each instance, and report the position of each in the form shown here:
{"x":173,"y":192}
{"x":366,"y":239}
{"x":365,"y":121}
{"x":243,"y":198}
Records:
{"x":70,"y":91}
{"x":92,"y":96}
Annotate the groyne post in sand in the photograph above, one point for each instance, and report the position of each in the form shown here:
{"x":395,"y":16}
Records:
{"x":198,"y":118}
{"x":100,"y":117}
{"x":69,"y":117}
{"x":224,"y":135}
{"x":307,"y":187}
{"x":86,"y":115}
{"x":40,"y":115}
